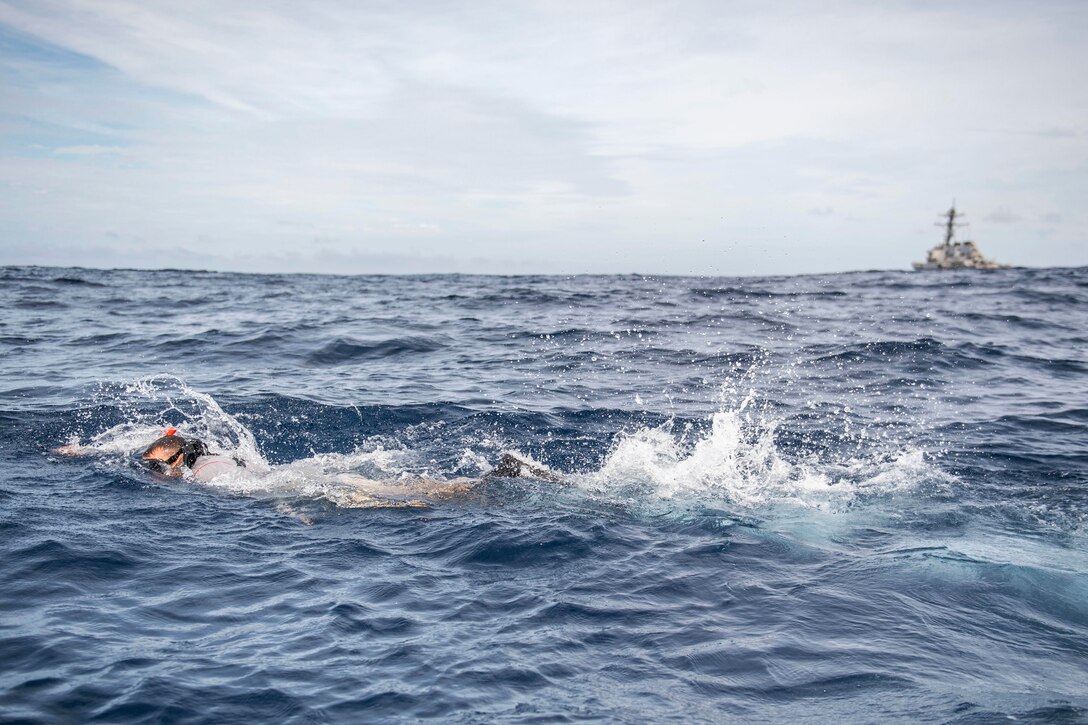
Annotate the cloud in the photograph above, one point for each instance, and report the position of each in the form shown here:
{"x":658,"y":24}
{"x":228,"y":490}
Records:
{"x":1002,"y":215}
{"x":600,"y":136}
{"x":89,"y":150}
{"x":132,"y":253}
{"x":243,"y":57}
{"x":1060,"y":132}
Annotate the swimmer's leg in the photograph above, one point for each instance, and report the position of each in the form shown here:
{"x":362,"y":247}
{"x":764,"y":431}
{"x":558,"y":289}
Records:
{"x":511,"y":466}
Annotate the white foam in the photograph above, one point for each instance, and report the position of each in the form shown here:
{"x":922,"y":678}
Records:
{"x":737,"y":461}
{"x":322,"y":475}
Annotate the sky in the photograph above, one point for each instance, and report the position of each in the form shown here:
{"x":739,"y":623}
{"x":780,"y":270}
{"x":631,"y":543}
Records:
{"x":512,"y":137}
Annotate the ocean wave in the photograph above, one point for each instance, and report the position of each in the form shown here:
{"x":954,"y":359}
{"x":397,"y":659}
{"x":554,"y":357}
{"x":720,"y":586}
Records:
{"x":76,"y":281}
{"x":346,"y":350}
{"x":743,"y":292}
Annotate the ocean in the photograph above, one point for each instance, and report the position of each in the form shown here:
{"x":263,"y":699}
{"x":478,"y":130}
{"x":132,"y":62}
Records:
{"x":850,"y":498}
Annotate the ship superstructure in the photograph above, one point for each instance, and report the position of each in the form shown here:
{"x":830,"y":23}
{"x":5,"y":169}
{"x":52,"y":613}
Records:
{"x":956,"y":255}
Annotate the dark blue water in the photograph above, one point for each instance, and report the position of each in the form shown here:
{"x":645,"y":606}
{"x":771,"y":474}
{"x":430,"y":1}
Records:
{"x":842,"y":498}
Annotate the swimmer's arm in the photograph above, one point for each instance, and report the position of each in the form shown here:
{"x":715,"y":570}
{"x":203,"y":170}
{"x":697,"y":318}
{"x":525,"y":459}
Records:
{"x":417,"y":486}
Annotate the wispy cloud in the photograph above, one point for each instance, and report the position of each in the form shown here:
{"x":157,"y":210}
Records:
{"x":89,"y":150}
{"x":1003,"y":215}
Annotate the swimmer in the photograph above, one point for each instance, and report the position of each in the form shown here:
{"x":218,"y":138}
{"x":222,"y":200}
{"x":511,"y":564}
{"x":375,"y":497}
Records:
{"x":172,"y":454}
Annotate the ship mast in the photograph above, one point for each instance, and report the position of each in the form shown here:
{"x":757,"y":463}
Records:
{"x":950,"y":225}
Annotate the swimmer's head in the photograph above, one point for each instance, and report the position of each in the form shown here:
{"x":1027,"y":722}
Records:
{"x":170,"y":453}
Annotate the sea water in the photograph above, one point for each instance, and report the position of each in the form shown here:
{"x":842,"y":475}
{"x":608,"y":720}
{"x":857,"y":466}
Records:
{"x":840,"y":498}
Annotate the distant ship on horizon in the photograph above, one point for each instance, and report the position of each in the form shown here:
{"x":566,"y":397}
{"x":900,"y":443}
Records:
{"x":956,"y":255}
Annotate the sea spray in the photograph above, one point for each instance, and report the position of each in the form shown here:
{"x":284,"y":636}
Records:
{"x":738,"y":461}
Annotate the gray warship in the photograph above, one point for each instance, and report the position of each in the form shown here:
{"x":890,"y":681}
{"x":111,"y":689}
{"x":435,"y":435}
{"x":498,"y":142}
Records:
{"x":956,"y":255}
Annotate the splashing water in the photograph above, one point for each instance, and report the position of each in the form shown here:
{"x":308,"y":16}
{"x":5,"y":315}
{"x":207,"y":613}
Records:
{"x":370,"y":476}
{"x":735,"y":462}
{"x":738,"y":462}
{"x":154,"y":404}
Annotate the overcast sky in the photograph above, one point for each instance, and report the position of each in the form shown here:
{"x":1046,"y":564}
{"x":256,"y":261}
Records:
{"x":682,"y":137}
